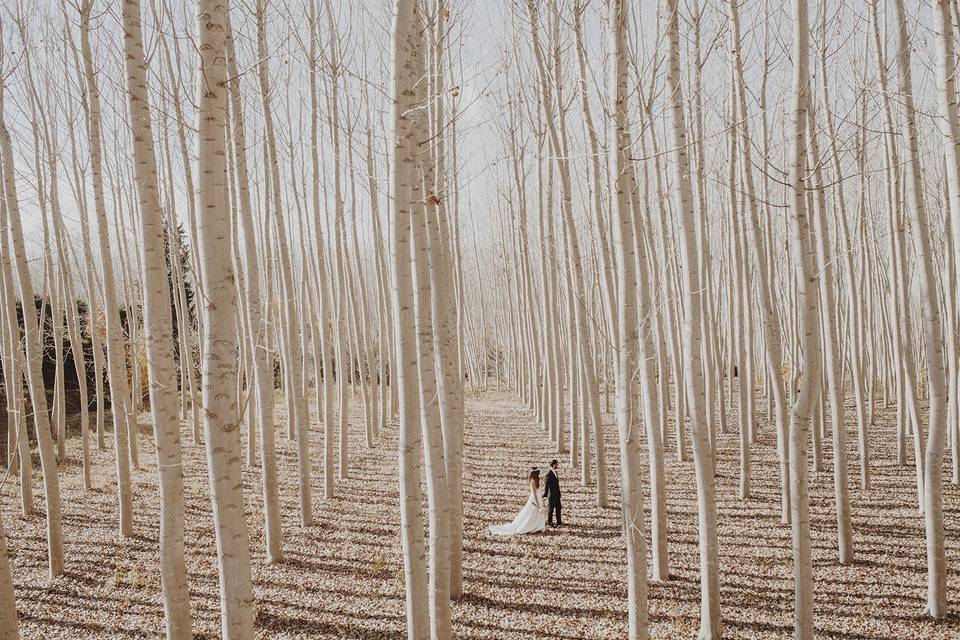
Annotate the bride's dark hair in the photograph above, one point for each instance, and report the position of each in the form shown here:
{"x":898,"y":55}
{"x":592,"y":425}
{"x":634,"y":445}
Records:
{"x":534,"y":477}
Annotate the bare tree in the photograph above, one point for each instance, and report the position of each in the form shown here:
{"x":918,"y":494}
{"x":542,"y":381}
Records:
{"x":159,"y":333}
{"x":409,"y":67}
{"x":10,"y":222}
{"x":221,"y":417}
{"x":804,"y":258}
{"x":710,"y":625}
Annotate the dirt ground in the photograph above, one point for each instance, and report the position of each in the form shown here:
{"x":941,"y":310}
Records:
{"x":343,"y":577}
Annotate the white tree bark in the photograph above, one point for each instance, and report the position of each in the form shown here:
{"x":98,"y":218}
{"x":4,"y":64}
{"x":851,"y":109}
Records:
{"x":325,"y":299}
{"x":33,"y":349}
{"x":804,"y":258}
{"x":937,"y":606}
{"x":444,"y":311}
{"x":116,"y":351}
{"x":299,"y":421}
{"x":221,"y":420}
{"x":832,"y":348}
{"x":434,"y":458}
{"x":159,"y":334}
{"x":710,"y":624}
{"x":834,"y":379}
{"x":409,"y":68}
{"x":256,"y":318}
{"x":18,"y":451}
{"x":625,"y":248}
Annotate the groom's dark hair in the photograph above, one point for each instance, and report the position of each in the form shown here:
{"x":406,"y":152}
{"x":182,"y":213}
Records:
{"x":554,"y":463}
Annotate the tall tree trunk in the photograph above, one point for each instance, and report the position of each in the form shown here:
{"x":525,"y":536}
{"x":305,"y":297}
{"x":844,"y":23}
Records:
{"x":832,"y":351}
{"x":409,"y":68}
{"x":33,"y":348}
{"x":18,"y":444}
{"x":221,"y":420}
{"x":322,"y":278}
{"x":298,"y":417}
{"x":804,"y":259}
{"x":625,"y":248}
{"x":116,"y":351}
{"x":710,"y":624}
{"x":932,"y":329}
{"x":256,"y":318}
{"x":158,"y":325}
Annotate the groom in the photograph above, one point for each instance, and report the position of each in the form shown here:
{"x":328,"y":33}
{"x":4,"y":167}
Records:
{"x":551,"y":491}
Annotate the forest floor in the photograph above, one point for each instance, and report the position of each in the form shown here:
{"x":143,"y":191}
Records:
{"x":343,"y":577}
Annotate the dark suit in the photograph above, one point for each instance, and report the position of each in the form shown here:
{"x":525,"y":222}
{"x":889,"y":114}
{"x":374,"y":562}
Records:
{"x":551,"y":491}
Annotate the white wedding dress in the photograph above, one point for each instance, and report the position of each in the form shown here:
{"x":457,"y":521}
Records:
{"x":530,"y":519}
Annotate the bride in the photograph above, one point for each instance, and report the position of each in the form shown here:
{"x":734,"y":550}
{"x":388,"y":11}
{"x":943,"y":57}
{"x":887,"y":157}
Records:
{"x":530,"y":519}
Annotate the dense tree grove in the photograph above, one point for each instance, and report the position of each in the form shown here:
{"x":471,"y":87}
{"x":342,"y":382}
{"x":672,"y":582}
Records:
{"x":309,"y":227}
